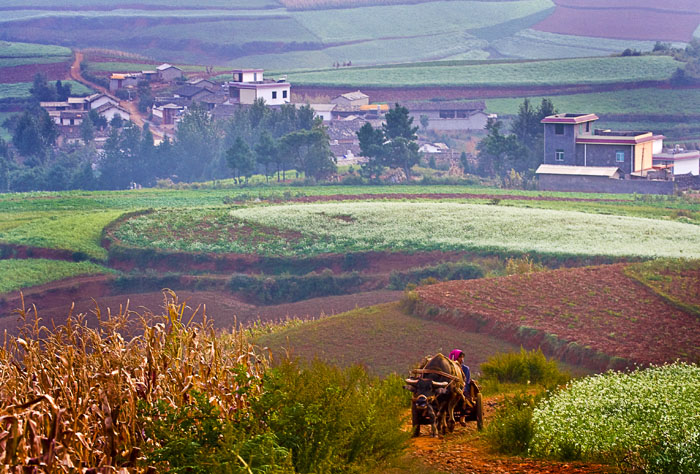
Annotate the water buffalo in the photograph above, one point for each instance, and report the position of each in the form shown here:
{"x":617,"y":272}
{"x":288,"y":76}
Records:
{"x":437,"y":387}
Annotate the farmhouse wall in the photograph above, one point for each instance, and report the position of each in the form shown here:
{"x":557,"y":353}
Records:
{"x":475,"y":122}
{"x":595,"y":184}
{"x":565,"y":142}
{"x":604,"y":155}
{"x":687,"y":182}
{"x":170,"y":74}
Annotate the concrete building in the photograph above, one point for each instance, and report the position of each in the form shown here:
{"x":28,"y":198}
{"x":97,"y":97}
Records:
{"x":249,"y":85}
{"x":570,"y":139}
{"x":119,"y":81}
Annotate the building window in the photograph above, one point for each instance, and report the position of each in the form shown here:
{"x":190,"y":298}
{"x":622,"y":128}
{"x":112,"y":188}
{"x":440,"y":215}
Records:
{"x":284,"y":94}
{"x":559,"y":155}
{"x":559,"y":129}
{"x":580,"y":128}
{"x":588,"y":127}
{"x":619,"y":156}
{"x":274,"y":94}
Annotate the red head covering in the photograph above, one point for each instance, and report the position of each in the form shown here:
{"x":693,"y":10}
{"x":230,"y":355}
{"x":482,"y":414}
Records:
{"x":454,"y":355}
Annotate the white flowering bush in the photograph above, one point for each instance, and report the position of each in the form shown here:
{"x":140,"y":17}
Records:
{"x":647,"y":420}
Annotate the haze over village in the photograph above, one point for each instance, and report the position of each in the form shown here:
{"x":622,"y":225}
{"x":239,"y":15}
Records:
{"x":343,"y":236}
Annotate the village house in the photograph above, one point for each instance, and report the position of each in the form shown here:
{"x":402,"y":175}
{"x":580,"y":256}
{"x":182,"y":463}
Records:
{"x":168,"y":73}
{"x":120,"y":81}
{"x":202,"y":84}
{"x":72,"y":111}
{"x":351,"y":100}
{"x":570,"y":139}
{"x":249,"y":85}
{"x":578,"y":157}
{"x":445,"y":116}
{"x":192,"y":93}
{"x":167,"y":114}
{"x":679,"y":160}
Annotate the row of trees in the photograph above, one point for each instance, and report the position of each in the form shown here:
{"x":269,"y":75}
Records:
{"x":257,"y":139}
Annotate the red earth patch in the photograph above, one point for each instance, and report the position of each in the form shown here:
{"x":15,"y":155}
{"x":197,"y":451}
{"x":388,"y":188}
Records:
{"x":674,"y":20}
{"x":596,"y":307}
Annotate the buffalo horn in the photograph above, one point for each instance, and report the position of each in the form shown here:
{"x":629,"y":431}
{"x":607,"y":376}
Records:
{"x":411,"y":381}
{"x":440,"y":384}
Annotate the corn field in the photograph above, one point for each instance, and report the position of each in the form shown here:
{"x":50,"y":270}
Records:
{"x":70,"y":395}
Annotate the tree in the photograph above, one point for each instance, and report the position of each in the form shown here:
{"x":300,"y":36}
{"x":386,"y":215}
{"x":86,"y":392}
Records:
{"x":310,"y":151}
{"x":371,"y":145}
{"x":116,"y":121}
{"x":26,"y":137}
{"x":393,"y":145}
{"x":98,"y":121}
{"x":197,"y":145}
{"x":241,"y":160}
{"x":267,"y":154}
{"x":87,"y":130}
{"x":41,"y":91}
{"x":424,"y":121}
{"x":145,"y":95}
{"x":62,"y":91}
{"x":497,"y":152}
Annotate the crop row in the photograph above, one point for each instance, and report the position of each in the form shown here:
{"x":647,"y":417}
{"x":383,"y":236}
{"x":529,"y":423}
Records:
{"x":19,"y":274}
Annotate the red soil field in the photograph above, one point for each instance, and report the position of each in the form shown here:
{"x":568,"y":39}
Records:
{"x":599,"y":307}
{"x":674,"y":20}
{"x":26,"y":73}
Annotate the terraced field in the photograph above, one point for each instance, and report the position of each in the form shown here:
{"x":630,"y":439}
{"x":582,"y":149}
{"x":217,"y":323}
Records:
{"x":271,"y":34}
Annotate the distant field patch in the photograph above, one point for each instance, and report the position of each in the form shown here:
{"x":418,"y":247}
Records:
{"x":20,"y":90}
{"x":312,"y":229}
{"x":524,"y":73}
{"x":625,"y":19}
{"x":24,"y":50}
{"x":628,"y":102}
{"x":21,"y":274}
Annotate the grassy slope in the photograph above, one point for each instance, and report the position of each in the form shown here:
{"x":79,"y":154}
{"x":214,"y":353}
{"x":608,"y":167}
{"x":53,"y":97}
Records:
{"x":20,"y":274}
{"x":382,"y":338}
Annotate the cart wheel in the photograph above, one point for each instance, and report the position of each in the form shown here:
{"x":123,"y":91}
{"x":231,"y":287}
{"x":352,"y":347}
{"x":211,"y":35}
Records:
{"x":479,"y":412}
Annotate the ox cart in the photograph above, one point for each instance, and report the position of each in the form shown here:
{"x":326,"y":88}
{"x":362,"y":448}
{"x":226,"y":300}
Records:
{"x":440,"y":399}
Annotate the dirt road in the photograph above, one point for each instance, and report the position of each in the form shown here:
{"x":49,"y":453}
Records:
{"x":136,"y":116}
{"x":466,"y":451}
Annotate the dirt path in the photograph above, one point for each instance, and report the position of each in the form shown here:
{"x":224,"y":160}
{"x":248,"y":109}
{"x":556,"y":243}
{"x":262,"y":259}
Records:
{"x":466,"y":451}
{"x":136,"y":116}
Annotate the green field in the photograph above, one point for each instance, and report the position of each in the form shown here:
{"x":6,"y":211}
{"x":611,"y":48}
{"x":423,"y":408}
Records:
{"x":20,"y":90}
{"x":313,"y":229}
{"x":26,"y":50}
{"x":559,"y":72}
{"x":629,"y":102}
{"x":20,"y":274}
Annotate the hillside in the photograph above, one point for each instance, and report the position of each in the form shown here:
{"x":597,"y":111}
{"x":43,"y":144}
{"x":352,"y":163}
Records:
{"x":311,"y":34}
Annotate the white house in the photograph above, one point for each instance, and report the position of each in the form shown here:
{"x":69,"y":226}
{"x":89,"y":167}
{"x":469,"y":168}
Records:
{"x":680,"y":160}
{"x":248,"y":85}
{"x":109,"y":110}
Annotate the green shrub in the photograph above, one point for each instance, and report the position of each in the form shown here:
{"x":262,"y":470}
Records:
{"x":523,"y":368}
{"x":289,"y":288}
{"x":445,"y":271}
{"x":195,"y":438}
{"x":332,"y":419}
{"x":511,"y":428}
